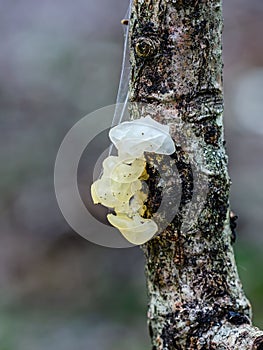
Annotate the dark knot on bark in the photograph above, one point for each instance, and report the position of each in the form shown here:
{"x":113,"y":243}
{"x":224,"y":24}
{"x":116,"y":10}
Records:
{"x":146,"y":47}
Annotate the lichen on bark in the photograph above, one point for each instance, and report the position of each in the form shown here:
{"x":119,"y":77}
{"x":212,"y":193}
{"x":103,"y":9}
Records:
{"x":196,"y":300}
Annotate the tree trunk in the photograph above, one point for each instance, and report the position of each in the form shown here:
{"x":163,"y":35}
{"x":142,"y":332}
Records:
{"x":196,"y":299}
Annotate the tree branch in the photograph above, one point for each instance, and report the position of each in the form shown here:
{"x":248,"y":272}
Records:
{"x":196,"y":300}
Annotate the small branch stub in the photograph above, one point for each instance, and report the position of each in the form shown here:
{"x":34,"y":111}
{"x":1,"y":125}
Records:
{"x":125,"y":21}
{"x":146,"y":47}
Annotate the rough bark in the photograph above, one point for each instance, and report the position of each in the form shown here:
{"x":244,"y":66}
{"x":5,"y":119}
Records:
{"x":196,"y":299}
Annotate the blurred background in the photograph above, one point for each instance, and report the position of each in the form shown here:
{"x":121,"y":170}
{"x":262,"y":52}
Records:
{"x":60,"y":60}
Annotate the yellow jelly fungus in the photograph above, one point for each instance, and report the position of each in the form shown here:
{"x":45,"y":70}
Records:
{"x":120,"y":186}
{"x":109,"y":163}
{"x":126,"y":173}
{"x":137,"y":204}
{"x":136,"y":230}
{"x":144,"y":175}
{"x":101,"y":193}
{"x":111,"y":193}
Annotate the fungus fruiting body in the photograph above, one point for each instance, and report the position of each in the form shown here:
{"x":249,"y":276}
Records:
{"x":121,"y":185}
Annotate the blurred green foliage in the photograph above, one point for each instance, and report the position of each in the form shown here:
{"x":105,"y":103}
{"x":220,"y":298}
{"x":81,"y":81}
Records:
{"x":250,"y":262}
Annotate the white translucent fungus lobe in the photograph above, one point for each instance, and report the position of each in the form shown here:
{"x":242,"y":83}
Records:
{"x":135,"y":137}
